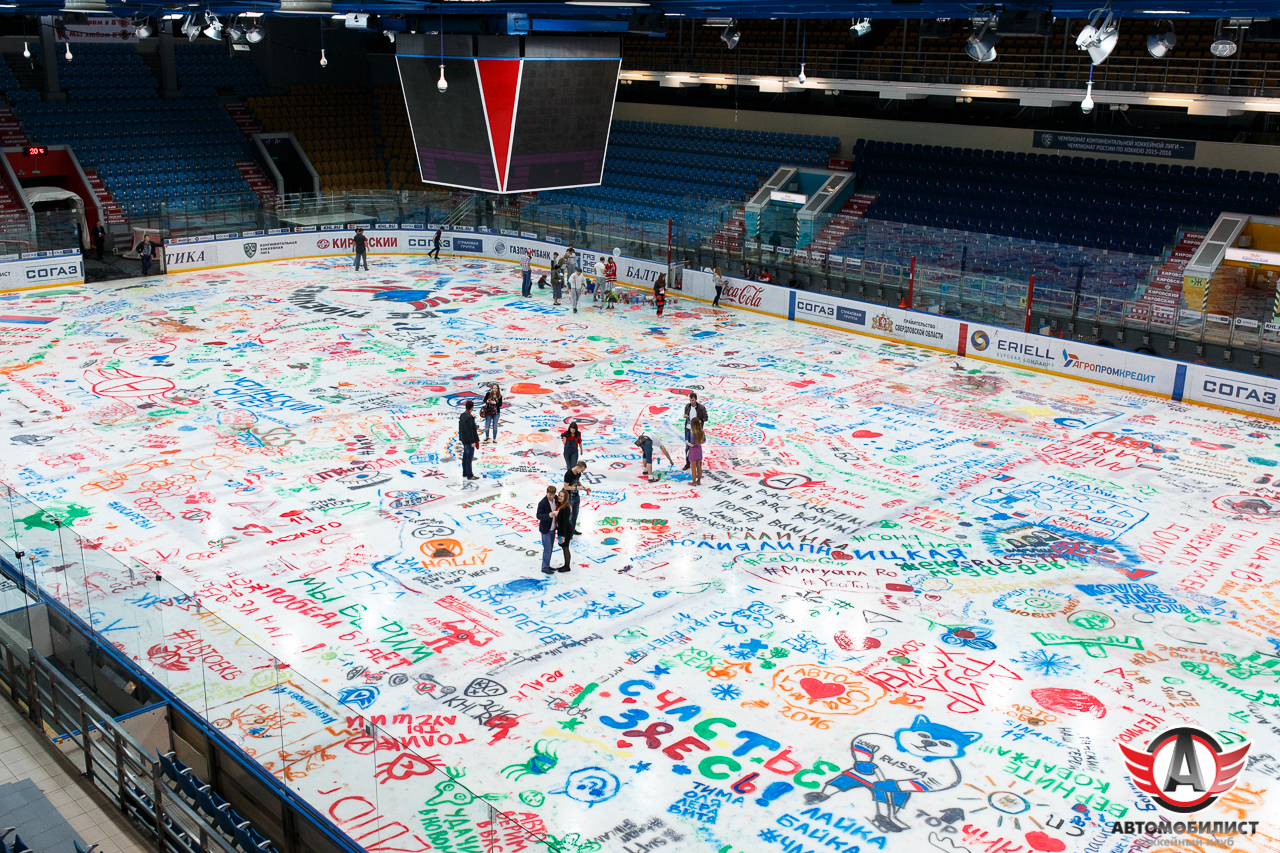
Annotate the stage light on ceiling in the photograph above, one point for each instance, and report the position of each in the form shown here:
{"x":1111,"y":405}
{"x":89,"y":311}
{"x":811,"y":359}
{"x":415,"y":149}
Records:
{"x":1222,"y":46}
{"x":981,"y":45}
{"x":143,"y":28}
{"x":68,"y":54}
{"x":1086,"y":106}
{"x":254,"y":34}
{"x":731,"y":35}
{"x":235,"y":33}
{"x":190,"y":28}
{"x":442,"y":84}
{"x":860,"y":27}
{"x":801,"y":78}
{"x":26,"y":51}
{"x":1100,"y":36}
{"x":324,"y":60}
{"x":1160,"y":42}
{"x":213,"y":27}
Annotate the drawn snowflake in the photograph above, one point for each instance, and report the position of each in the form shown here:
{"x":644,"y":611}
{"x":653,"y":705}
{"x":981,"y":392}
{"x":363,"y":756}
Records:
{"x":725,"y":692}
{"x":1044,"y":662}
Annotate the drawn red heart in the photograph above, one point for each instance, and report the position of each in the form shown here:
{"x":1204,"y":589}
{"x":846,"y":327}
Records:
{"x":529,"y":388}
{"x":623,"y":744}
{"x":1043,"y":841}
{"x":657,"y":410}
{"x":841,"y":555}
{"x":821,"y":689}
{"x":650,"y":506}
{"x":862,"y":433}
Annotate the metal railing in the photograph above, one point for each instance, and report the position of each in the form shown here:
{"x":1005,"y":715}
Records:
{"x":103,"y":753}
{"x":48,"y":562}
{"x":1193,"y":75}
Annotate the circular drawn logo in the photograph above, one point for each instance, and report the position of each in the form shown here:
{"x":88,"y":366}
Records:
{"x":980,"y":340}
{"x":499,"y":247}
{"x":322,"y":244}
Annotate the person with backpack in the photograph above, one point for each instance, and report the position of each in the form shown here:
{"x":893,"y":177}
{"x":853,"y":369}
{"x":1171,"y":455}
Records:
{"x":490,"y":411}
{"x":693,"y":410}
{"x":557,"y":278}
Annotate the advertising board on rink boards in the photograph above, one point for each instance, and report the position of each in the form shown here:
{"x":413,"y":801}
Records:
{"x":40,"y":269}
{"x":1091,"y":363}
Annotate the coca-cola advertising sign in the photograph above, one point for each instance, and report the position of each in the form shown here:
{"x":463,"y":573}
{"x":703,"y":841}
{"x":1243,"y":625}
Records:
{"x":746,"y":295}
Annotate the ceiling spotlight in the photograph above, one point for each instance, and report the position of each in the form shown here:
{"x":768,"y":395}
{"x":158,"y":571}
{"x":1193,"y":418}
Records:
{"x":235,"y":32}
{"x":731,"y":35}
{"x":1086,"y":106}
{"x":190,"y":28}
{"x":442,"y":84}
{"x":861,"y":26}
{"x":1160,"y":42}
{"x":981,"y":45}
{"x":213,"y":28}
{"x":801,"y":78}
{"x":324,"y":60}
{"x":254,"y":34}
{"x":1222,"y":46}
{"x":391,"y":35}
{"x":1100,"y":36}
{"x":68,"y":54}
{"x":26,"y":51}
{"x":143,"y":28}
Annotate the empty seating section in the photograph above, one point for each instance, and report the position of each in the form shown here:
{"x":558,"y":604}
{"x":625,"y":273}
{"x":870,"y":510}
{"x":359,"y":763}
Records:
{"x":147,"y":151}
{"x":397,"y":140}
{"x":661,"y":171}
{"x":1097,"y":203}
{"x":335,"y":126}
{"x":214,"y":809}
{"x":1116,"y":275}
{"x":203,"y":69}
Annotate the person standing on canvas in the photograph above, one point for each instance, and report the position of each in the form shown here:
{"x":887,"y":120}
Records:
{"x":490,"y":411}
{"x":660,"y":293}
{"x":572,"y":440}
{"x":361,"y":244}
{"x":526,"y":274}
{"x":718,"y":281}
{"x":435,"y":244}
{"x":598,"y":290}
{"x":564,"y":528}
{"x":469,"y":437}
{"x":548,"y":507}
{"x":696,"y":439}
{"x":557,"y":278}
{"x":577,"y":283}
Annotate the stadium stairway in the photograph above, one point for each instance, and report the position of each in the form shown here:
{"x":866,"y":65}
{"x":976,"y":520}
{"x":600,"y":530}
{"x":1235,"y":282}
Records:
{"x":1161,"y":298}
{"x":11,"y":132}
{"x":850,"y":212}
{"x":259,"y":183}
{"x":110,"y":208}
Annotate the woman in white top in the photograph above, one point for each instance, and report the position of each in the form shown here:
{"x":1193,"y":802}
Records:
{"x":598,"y":289}
{"x":718,"y":280}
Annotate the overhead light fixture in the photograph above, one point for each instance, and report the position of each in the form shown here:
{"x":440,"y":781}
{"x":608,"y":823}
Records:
{"x":442,"y":84}
{"x":981,"y":45}
{"x":305,"y":7}
{"x":213,"y":27}
{"x":391,"y":35}
{"x":254,"y":34}
{"x":252,"y":14}
{"x":235,"y":33}
{"x":1222,"y":46}
{"x":1100,"y":36}
{"x":26,"y":51}
{"x":861,"y":26}
{"x":68,"y":54}
{"x":143,"y":28}
{"x":1086,"y":106}
{"x":801,"y":76}
{"x":731,"y":35}
{"x":190,"y":28}
{"x":324,"y":60}
{"x":173,"y":16}
{"x":1160,"y":42}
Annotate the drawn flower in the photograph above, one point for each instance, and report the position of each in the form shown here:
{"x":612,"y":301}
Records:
{"x":969,"y":636}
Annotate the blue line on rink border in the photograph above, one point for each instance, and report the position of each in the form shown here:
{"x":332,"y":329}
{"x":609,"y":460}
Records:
{"x":1179,"y":383}
{"x":791,"y":309}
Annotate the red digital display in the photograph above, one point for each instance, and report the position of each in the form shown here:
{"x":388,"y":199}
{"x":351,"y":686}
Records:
{"x":36,"y":150}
